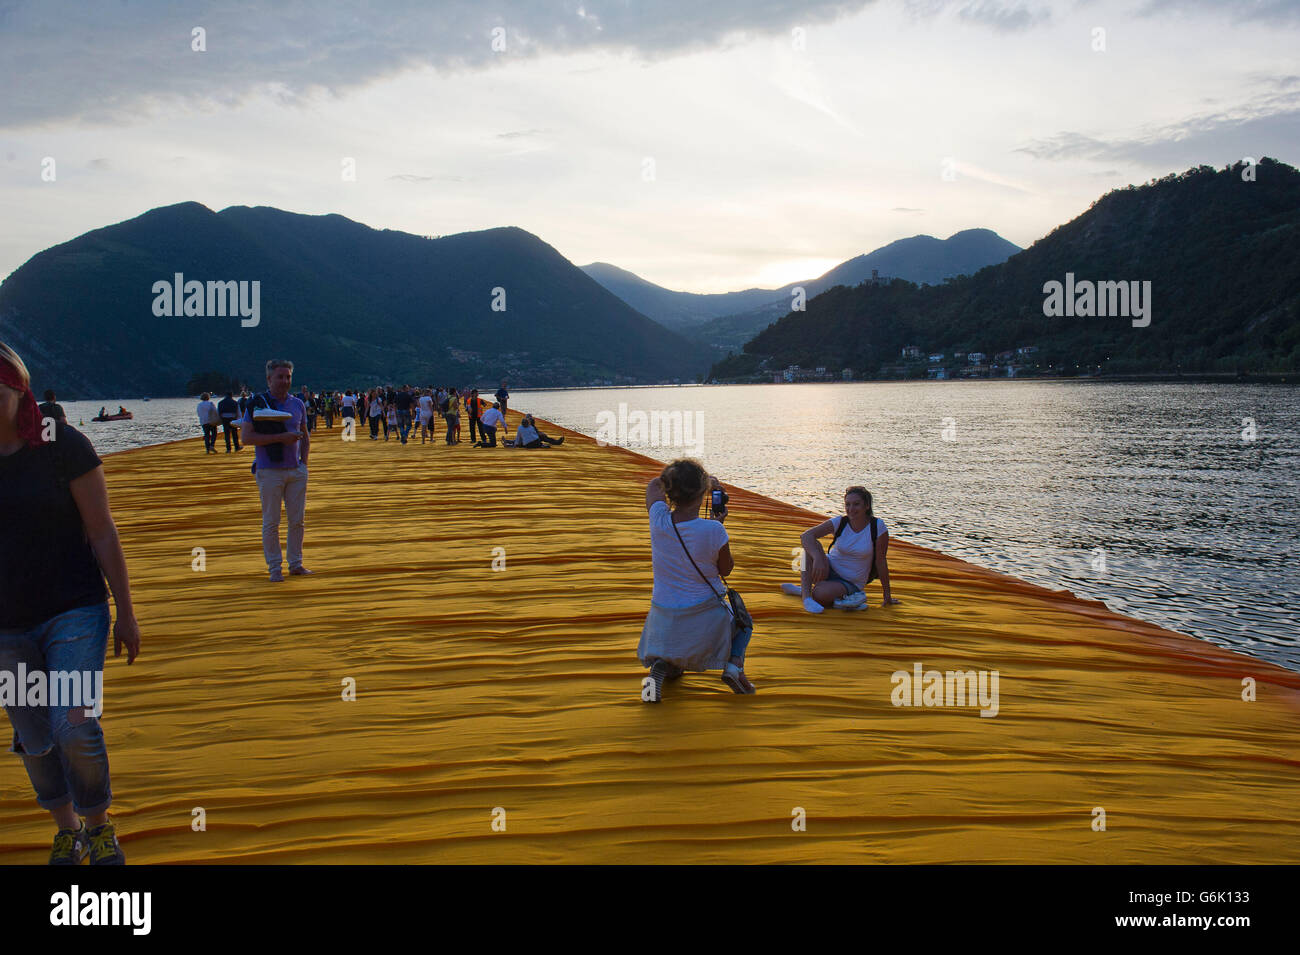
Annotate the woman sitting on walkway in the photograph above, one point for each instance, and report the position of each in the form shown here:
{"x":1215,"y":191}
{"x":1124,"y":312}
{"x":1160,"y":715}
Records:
{"x":688,"y":627}
{"x":857,"y":556}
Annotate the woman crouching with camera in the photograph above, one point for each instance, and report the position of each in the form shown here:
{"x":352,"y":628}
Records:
{"x":689,"y":626}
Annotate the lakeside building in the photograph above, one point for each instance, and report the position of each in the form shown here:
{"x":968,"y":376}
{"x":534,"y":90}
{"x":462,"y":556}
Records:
{"x":795,"y":373}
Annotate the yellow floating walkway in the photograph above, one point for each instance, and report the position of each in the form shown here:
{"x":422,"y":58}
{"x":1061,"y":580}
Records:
{"x":518,"y":689}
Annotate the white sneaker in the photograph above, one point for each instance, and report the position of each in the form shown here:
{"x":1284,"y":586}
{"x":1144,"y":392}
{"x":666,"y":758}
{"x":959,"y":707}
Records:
{"x":794,"y":590}
{"x":812,"y":606}
{"x":854,"y":601}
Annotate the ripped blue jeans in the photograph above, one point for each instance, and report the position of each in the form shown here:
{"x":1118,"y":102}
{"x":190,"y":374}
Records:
{"x":61,"y":746}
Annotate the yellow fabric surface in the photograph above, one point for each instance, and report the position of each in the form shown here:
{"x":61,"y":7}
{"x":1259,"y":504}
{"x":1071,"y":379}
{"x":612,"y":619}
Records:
{"x":520,"y":689}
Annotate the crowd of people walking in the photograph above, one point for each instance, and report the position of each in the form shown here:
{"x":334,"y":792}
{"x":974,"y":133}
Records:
{"x":400,"y":413}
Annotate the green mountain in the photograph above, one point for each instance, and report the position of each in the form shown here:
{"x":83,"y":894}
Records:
{"x":1220,"y":249}
{"x":350,"y":305}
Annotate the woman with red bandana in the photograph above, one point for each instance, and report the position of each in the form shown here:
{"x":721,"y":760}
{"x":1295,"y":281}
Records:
{"x":57,"y":544}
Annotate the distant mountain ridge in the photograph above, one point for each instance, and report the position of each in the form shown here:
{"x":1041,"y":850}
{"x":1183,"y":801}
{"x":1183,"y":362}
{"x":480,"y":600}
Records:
{"x":347,"y":303}
{"x":729,"y":319}
{"x":1220,"y":250}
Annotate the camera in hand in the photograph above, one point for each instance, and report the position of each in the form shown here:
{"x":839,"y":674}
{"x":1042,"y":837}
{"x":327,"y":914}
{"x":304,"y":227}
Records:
{"x":718,"y":502}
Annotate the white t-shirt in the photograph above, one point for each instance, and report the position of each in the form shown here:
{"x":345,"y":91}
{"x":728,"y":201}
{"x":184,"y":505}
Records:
{"x":426,"y":408}
{"x":493,"y":418}
{"x":852,"y":554}
{"x":349,"y":401}
{"x":208,"y":413}
{"x":676,"y":582}
{"x":526,"y":433}
{"x":376,"y":408}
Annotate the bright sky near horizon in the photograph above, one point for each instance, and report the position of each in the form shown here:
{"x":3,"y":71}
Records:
{"x":705,"y":148}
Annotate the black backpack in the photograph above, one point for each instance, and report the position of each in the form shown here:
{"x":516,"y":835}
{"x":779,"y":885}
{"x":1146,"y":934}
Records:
{"x":874,"y":553}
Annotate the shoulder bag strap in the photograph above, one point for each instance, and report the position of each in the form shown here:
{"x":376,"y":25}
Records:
{"x":697,"y":566}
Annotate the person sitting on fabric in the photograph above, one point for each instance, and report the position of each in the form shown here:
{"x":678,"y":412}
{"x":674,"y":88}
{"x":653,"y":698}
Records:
{"x":856,"y":557}
{"x":527,"y":436}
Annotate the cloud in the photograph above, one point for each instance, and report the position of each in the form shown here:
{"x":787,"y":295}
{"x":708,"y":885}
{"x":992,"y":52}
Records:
{"x":906,"y":209}
{"x":1270,"y":125}
{"x":1271,"y":11}
{"x":1001,"y":16}
{"x":523,"y":133}
{"x":969,"y":170}
{"x":411,"y":177}
{"x":121,"y":62}
{"x":99,"y":164}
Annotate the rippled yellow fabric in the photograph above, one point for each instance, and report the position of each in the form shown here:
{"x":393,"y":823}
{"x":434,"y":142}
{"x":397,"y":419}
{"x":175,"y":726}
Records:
{"x":518,"y":689}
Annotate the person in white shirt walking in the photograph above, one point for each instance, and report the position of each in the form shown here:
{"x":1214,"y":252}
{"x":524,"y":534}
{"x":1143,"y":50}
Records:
{"x":426,"y":416}
{"x":210,"y":419}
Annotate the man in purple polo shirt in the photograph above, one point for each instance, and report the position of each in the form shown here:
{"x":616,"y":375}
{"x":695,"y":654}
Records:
{"x":280,"y":466}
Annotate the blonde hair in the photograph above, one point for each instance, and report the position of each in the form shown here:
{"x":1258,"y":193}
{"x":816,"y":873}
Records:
{"x":11,"y":356}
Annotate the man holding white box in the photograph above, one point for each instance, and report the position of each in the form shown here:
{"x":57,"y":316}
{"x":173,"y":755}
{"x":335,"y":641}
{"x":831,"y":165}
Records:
{"x":275,"y":424}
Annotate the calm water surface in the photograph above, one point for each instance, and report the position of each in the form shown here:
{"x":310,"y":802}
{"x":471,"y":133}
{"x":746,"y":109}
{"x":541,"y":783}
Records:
{"x":1144,"y":496}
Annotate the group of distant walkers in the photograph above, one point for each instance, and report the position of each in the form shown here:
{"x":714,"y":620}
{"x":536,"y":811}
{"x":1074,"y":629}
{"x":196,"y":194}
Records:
{"x":396,"y":412}
{"x":225,"y":414}
{"x":279,"y":424}
{"x":60,"y":545}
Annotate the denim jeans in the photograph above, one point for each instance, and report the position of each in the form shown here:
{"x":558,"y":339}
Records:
{"x":62,"y":747}
{"x":740,"y":641}
{"x":403,"y":423}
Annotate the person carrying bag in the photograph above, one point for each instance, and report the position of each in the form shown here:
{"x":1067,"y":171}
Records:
{"x":692,"y":624}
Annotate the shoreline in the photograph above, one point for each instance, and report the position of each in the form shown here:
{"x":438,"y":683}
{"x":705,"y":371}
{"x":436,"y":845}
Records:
{"x":1263,"y":378}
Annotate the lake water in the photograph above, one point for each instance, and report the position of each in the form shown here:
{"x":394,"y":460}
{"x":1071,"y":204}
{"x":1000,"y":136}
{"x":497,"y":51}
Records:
{"x":1157,"y":499}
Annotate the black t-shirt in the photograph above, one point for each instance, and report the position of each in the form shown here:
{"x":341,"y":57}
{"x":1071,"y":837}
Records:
{"x":46,"y":564}
{"x":50,"y":409}
{"x":228,"y":409}
{"x":403,"y":401}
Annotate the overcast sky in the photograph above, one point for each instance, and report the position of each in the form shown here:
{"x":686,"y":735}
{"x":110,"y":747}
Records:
{"x":706,"y":147}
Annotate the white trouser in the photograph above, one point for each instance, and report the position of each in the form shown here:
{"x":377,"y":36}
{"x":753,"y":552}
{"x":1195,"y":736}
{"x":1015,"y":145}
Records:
{"x":287,"y":485}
